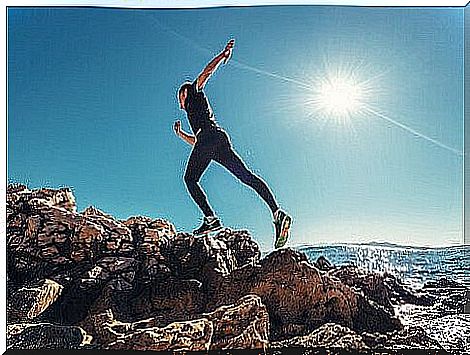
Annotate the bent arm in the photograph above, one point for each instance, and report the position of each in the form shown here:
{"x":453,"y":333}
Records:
{"x":188,"y":138}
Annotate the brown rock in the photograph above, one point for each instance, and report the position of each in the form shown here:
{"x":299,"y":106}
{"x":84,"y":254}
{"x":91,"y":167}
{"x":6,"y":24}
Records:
{"x":299,"y":298}
{"x":329,"y":336}
{"x":150,"y":236}
{"x":46,"y":235}
{"x":243,"y":325}
{"x":383,"y":289}
{"x":29,"y":302}
{"x":411,"y":337}
{"x":172,"y":298}
{"x":323,"y":264}
{"x":45,"y":336}
{"x":194,"y":335}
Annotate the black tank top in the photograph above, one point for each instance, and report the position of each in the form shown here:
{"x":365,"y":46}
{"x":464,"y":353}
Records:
{"x":199,"y":111}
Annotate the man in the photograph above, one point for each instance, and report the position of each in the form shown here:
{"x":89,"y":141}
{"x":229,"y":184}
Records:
{"x":209,"y":143}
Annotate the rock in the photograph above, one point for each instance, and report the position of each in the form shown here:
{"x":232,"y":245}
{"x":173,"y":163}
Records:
{"x":411,"y":337}
{"x":117,"y":272}
{"x":243,"y":325}
{"x":451,"y":331}
{"x":298,"y":297}
{"x":244,"y":248}
{"x":191,"y":258}
{"x":332,"y":336}
{"x":60,"y":198}
{"x":150,"y":236}
{"x":209,"y":258}
{"x":46,"y":236}
{"x":323,"y":264}
{"x":443,"y":282}
{"x":167,"y":287}
{"x":329,"y":335}
{"x":170,"y":300}
{"x":117,"y":237}
{"x":29,"y":302}
{"x":179,"y":336}
{"x":401,"y":294}
{"x":45,"y":336}
{"x":383,"y":289}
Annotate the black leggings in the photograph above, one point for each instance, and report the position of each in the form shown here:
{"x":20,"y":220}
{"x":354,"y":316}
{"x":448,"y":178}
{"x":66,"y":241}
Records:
{"x":214,"y":144}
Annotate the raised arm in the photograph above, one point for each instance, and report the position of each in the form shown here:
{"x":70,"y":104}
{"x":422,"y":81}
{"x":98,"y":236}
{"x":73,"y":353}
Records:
{"x":223,"y":56}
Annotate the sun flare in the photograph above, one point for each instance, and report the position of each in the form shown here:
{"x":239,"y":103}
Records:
{"x":340,"y":97}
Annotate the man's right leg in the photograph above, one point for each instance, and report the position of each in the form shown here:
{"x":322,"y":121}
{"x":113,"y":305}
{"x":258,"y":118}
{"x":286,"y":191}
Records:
{"x":197,"y":164}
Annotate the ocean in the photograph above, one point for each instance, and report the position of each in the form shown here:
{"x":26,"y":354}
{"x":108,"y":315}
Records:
{"x":415,"y":266}
{"x":448,"y":320}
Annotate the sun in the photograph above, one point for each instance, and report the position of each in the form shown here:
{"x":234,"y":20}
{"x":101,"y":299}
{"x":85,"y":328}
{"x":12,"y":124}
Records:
{"x":340,"y":97}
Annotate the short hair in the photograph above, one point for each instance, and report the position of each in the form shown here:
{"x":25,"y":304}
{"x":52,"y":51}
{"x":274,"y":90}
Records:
{"x":187,"y":85}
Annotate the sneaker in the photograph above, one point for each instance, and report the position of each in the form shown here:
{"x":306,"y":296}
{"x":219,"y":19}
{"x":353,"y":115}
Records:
{"x":282,"y":223}
{"x":210,"y":224}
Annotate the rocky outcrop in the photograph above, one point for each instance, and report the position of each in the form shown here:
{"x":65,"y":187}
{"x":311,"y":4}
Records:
{"x":243,"y":325}
{"x":329,"y":335}
{"x":411,"y":337}
{"x":29,"y":302}
{"x":382,"y":289}
{"x":300,"y":298}
{"x":138,"y":284}
{"x":45,"y":336}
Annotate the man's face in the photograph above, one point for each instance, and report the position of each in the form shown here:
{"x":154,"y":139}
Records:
{"x":182,"y":98}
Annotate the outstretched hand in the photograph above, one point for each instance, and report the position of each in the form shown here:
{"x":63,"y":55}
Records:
{"x":228,"y":50}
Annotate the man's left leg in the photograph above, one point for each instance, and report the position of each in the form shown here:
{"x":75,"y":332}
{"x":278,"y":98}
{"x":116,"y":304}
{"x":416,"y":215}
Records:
{"x":229,"y":159}
{"x":232,"y":162}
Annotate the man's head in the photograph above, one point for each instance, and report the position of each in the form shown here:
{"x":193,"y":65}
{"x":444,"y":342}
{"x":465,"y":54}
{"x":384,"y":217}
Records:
{"x":183,"y":93}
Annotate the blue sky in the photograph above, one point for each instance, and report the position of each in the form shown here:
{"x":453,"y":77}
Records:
{"x":92,"y":98}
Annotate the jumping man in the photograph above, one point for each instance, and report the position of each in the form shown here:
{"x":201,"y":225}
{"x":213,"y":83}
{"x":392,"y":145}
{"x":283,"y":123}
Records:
{"x":210,"y":142}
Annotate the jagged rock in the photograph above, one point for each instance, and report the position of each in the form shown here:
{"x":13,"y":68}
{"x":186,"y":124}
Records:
{"x":171,"y":299}
{"x":323,"y":264}
{"x":192,"y":257}
{"x":383,"y":289}
{"x":141,"y":268}
{"x":46,"y":236}
{"x":333,"y":336}
{"x":61,"y":198}
{"x":244,"y":248}
{"x":243,"y":325}
{"x":329,"y":335}
{"x":209,"y":258}
{"x":29,"y":302}
{"x":443,"y":282}
{"x":299,"y":298}
{"x":45,"y":336}
{"x":411,"y":337}
{"x":117,"y":272}
{"x":179,"y":336}
{"x":117,"y":237}
{"x":150,"y":236}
